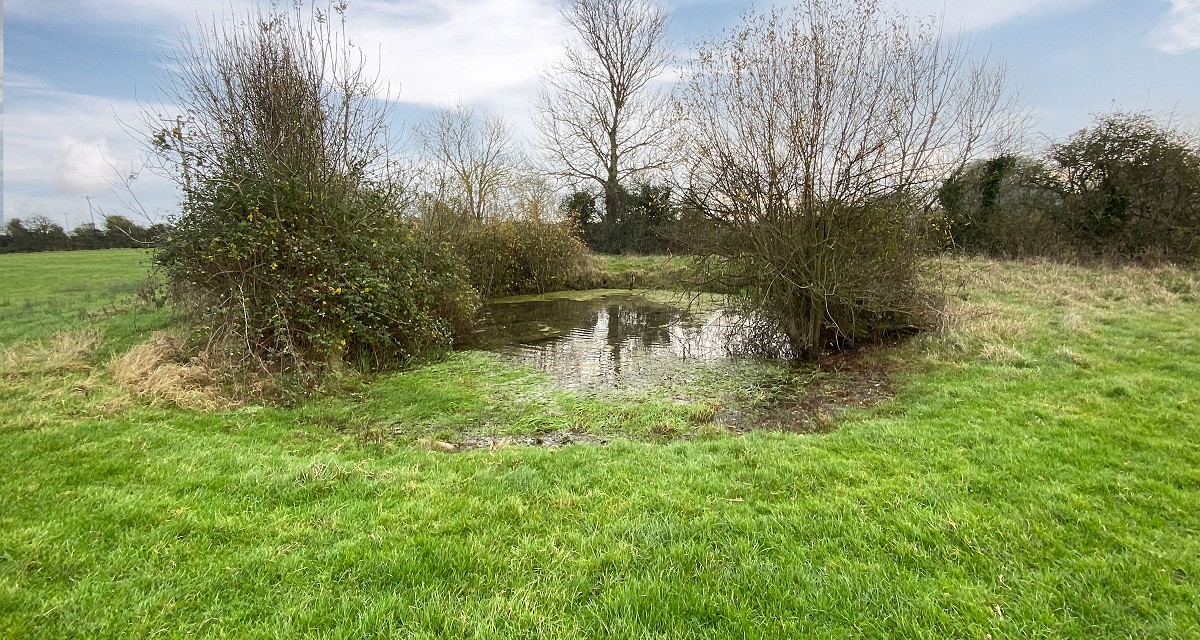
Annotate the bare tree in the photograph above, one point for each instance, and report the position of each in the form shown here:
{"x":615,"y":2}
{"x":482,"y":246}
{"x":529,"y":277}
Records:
{"x":533,"y":195}
{"x":274,"y":95}
{"x":473,"y":157}
{"x":818,"y":135}
{"x":600,"y":117}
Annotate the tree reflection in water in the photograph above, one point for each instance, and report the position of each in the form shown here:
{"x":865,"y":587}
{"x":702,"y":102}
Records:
{"x":607,"y":342}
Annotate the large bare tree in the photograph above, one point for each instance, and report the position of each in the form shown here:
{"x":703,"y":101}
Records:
{"x":473,"y":158}
{"x":600,"y":115}
{"x":817,"y":135}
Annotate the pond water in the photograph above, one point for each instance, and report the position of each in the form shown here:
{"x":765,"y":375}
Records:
{"x":606,"y":339}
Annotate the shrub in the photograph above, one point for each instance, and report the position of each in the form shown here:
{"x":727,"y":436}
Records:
{"x":291,"y":296}
{"x":513,"y":257}
{"x":644,"y":220}
{"x":1127,"y":188}
{"x":843,"y":275}
{"x":1003,"y":207}
{"x":813,"y":188}
{"x":1130,"y":187}
{"x":289,"y":252}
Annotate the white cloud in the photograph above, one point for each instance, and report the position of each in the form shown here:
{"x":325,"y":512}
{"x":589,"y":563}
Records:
{"x":83,"y":167}
{"x":431,"y":51}
{"x":125,"y":11}
{"x":459,"y":50}
{"x":60,"y":146}
{"x":1180,"y":32}
{"x":960,"y":15}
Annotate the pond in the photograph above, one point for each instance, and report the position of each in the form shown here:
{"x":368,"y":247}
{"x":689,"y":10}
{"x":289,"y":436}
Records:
{"x":606,"y":340}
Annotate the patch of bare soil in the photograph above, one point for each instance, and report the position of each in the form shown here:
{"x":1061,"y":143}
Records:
{"x":552,"y":440}
{"x":814,"y":396}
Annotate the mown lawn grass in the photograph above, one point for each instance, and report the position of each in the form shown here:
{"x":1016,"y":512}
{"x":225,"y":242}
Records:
{"x":1037,"y":475}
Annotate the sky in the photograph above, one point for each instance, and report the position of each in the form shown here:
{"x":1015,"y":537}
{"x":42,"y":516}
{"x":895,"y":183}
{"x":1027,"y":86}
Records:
{"x":77,"y":73}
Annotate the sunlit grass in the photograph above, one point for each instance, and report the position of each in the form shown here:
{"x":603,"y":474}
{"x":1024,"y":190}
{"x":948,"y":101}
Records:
{"x":43,"y":292}
{"x":645,"y":271}
{"x":1037,"y":475}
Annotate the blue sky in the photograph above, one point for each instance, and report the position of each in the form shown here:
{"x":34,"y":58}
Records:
{"x":75,"y":69}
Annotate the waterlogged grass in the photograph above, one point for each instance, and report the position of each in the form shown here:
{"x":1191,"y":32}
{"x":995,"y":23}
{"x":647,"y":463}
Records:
{"x":1037,"y":476}
{"x":475,"y":394}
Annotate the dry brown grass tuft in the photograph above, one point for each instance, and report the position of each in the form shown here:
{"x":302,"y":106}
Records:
{"x":978,"y":327}
{"x":156,"y":370}
{"x":1053,"y":284}
{"x":66,"y":352}
{"x":998,"y":305}
{"x":1074,"y":322}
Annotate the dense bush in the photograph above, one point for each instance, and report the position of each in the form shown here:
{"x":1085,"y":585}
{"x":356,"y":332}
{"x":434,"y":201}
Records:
{"x":290,"y":251}
{"x":841,"y":275}
{"x":1003,"y":207}
{"x":1130,"y":187}
{"x":512,"y":257}
{"x":1126,"y":188}
{"x":276,"y":287}
{"x":644,"y":221}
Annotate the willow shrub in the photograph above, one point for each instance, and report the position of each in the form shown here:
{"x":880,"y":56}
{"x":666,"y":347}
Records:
{"x":816,"y":132}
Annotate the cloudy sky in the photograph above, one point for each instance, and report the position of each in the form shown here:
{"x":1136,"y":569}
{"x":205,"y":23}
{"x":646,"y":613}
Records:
{"x":75,"y":69}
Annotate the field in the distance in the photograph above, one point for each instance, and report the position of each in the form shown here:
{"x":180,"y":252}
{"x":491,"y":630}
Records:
{"x":45,"y":292}
{"x":1036,"y":475}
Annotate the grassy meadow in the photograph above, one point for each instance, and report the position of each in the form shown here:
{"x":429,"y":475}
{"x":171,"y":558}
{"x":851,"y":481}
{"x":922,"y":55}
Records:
{"x":41,"y":293}
{"x":1035,"y":473}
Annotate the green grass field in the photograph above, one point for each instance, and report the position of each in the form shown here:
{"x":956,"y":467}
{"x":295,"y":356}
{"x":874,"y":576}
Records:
{"x":44,"y":292}
{"x":1036,"y":475}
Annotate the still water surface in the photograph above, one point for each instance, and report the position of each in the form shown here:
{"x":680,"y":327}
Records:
{"x":606,"y":340}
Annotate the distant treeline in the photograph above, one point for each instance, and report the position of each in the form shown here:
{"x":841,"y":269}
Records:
{"x":39,"y":233}
{"x":1126,"y":188}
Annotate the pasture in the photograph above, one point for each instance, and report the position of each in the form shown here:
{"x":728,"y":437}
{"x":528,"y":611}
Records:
{"x":1033,"y":471}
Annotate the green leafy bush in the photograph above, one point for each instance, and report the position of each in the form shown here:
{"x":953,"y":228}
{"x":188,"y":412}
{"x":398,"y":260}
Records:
{"x":643,"y":221}
{"x":290,"y":254}
{"x":513,"y":257}
{"x":274,"y":288}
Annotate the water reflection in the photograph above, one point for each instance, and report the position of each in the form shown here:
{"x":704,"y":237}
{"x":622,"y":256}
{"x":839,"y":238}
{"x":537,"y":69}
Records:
{"x":609,"y":341}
